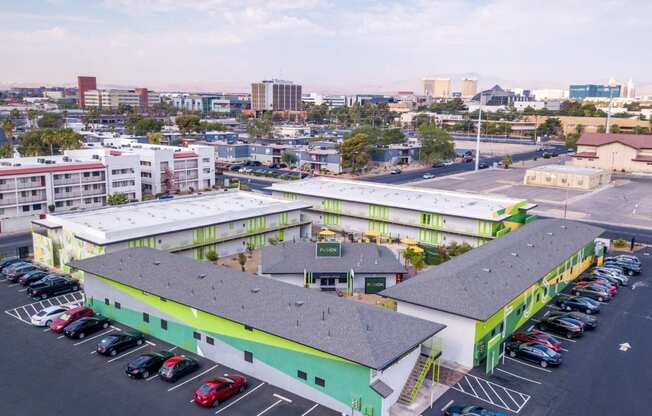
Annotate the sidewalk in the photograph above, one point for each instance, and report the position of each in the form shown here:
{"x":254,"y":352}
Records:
{"x":428,"y":394}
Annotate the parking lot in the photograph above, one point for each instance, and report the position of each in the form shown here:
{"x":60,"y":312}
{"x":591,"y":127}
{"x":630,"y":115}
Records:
{"x":607,"y":371}
{"x":46,"y":373}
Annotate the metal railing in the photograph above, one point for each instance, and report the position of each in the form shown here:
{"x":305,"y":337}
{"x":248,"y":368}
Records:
{"x":32,"y":198}
{"x":92,"y":178}
{"x":434,"y":353}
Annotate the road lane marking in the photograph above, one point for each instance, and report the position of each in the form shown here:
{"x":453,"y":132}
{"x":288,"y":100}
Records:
{"x":151,"y":343}
{"x":517,"y":376}
{"x":93,"y":337}
{"x":241,"y":397}
{"x":310,"y":410}
{"x":120,"y":356}
{"x":195,"y":377}
{"x":529,"y":365}
{"x":23,"y":290}
{"x":12,"y":285}
{"x":60,"y":336}
{"x":270,"y":407}
{"x":46,"y":329}
{"x":563,"y":349}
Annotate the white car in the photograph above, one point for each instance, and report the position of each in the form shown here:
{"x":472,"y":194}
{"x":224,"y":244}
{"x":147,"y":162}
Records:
{"x":46,"y":316}
{"x":428,"y":176}
{"x":448,"y":163}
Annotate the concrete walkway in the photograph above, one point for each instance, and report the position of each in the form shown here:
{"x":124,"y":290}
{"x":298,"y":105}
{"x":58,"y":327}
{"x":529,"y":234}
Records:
{"x":428,"y":394}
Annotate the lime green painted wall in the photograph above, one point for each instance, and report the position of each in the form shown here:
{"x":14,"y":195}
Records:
{"x":378,"y":212}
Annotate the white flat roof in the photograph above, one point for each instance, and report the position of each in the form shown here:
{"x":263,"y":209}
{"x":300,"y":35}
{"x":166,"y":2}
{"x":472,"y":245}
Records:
{"x":461,"y":204}
{"x":127,"y":222}
{"x":567,"y":169}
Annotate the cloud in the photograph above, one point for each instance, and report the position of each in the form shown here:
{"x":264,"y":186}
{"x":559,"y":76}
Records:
{"x":45,"y":36}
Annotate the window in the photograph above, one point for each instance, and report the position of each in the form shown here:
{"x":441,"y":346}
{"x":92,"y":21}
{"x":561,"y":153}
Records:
{"x":538,"y":296}
{"x":302,"y":375}
{"x":25,"y":208}
{"x":248,"y":328}
{"x":106,"y":301}
{"x":36,"y":207}
{"x":145,"y":317}
{"x":196,"y":335}
{"x":210,"y":341}
{"x":117,"y":305}
{"x":248,"y":357}
{"x":164,"y":324}
{"x":502,"y":326}
{"x":87,"y":174}
{"x":320,"y":382}
{"x":206,"y":160}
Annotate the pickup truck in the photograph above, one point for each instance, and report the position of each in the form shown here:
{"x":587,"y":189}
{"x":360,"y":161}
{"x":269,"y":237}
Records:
{"x":52,"y":287}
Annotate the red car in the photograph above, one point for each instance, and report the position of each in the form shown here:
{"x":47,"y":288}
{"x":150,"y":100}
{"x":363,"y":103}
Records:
{"x":610,"y":288}
{"x":215,"y":391}
{"x":71,"y":316}
{"x":538,"y":337}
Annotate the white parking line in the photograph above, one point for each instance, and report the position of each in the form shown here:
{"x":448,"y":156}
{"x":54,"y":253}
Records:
{"x":127,"y":353}
{"x":546,"y":314}
{"x":278,"y":396}
{"x":14,"y":284}
{"x":93,"y":337}
{"x":115,"y":327}
{"x":517,"y":376}
{"x":311,"y":409}
{"x":270,"y":407}
{"x":195,"y":377}
{"x":500,"y":398}
{"x":529,"y":365}
{"x":447,"y":405}
{"x":151,"y":343}
{"x":46,"y":329}
{"x":152,"y":377}
{"x":563,"y":349}
{"x":472,"y":389}
{"x":60,"y":336}
{"x":23,"y":290}
{"x":172,"y":349}
{"x":241,"y":397}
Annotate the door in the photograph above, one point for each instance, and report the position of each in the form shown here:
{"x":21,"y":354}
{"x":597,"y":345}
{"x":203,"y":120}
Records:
{"x":374,"y":284}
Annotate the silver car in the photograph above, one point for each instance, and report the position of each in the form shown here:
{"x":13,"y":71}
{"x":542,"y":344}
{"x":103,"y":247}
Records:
{"x":46,"y":316}
{"x":613,"y":273}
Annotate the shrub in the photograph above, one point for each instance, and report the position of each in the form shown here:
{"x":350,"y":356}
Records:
{"x":211,"y":256}
{"x":620,"y":243}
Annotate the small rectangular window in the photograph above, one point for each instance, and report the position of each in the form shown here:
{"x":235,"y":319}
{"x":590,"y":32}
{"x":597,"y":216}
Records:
{"x":117,"y":305}
{"x":210,"y":341}
{"x":320,"y":382}
{"x":196,"y":335}
{"x":538,"y":296}
{"x":106,"y":301}
{"x":145,"y":317}
{"x":248,"y":357}
{"x":302,"y":375}
{"x":164,"y":324}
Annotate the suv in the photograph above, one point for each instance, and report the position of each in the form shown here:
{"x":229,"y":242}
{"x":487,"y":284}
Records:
{"x":13,"y":266}
{"x":55,"y":286}
{"x":19,"y":271}
{"x":8,"y":262}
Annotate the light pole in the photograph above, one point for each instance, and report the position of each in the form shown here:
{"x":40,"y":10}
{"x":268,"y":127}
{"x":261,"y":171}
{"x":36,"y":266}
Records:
{"x":477,"y":140}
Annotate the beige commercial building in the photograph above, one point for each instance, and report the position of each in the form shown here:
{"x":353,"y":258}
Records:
{"x":469,"y":87}
{"x":615,"y":152}
{"x":437,"y":87}
{"x":566,"y":176}
{"x":591,"y":124}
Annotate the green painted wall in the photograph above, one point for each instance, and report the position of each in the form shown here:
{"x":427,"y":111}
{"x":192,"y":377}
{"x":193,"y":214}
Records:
{"x":377,"y":212}
{"x":380,"y":227}
{"x":430,"y":237}
{"x":332,"y":205}
{"x":345,"y":380}
{"x":430,"y":220}
{"x":143,"y":242}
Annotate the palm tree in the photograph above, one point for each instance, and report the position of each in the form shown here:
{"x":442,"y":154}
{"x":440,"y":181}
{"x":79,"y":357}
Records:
{"x":69,"y":140}
{"x":51,"y":137}
{"x":8,"y":126}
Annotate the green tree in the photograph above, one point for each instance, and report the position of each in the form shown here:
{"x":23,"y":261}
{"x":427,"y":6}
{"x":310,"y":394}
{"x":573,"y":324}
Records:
{"x":614,"y":128}
{"x":551,"y":128}
{"x":146,"y":125}
{"x":51,"y":137}
{"x":117,"y":198}
{"x":154,"y":138}
{"x":242,"y":260}
{"x":289,"y":158}
{"x":8,"y":127}
{"x":188,"y":123}
{"x":90,"y":115}
{"x":51,"y":121}
{"x":6,"y":151}
{"x":212,"y":256}
{"x":39,"y":142}
{"x":601,"y":129}
{"x":571,"y":140}
{"x":14,"y":114}
{"x":212,"y":126}
{"x":416,"y":260}
{"x":354,"y":152}
{"x":507,"y":161}
{"x":260,"y":127}
{"x":32,"y":115}
{"x":436,"y":144}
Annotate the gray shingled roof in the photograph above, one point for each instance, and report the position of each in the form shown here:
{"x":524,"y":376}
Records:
{"x":365,"y":334}
{"x":483,"y":280}
{"x":300,"y":256}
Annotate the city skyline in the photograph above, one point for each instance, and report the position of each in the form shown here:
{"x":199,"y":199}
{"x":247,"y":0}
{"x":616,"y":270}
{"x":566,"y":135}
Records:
{"x":363,"y":46}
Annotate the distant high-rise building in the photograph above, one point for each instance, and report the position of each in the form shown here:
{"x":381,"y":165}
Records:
{"x":140,"y":99}
{"x":437,"y":87}
{"x":581,"y":91}
{"x":628,"y":90}
{"x":469,"y":87}
{"x":85,"y":84}
{"x":275,"y":95}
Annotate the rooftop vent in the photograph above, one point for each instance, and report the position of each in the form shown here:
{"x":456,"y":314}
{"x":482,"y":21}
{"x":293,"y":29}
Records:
{"x":299,"y":303}
{"x":563,"y":227}
{"x":486,"y":270}
{"x":201,"y":275}
{"x":549,"y":233}
{"x":530,"y":244}
{"x":515,"y":254}
{"x":156,"y":262}
{"x":255,"y":290}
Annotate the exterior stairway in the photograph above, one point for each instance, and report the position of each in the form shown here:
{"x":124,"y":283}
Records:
{"x":406,"y":393}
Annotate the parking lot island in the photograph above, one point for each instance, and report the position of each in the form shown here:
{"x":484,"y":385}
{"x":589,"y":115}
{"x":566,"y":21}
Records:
{"x":486,"y":294}
{"x":345,"y":355}
{"x":223,"y":223}
{"x":430,"y":216}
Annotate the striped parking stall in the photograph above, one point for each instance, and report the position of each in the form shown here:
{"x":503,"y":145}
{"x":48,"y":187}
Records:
{"x":492,"y":393}
{"x":24,"y":313}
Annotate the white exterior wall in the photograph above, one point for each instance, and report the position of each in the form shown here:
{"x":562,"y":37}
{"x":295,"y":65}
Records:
{"x":396,"y":376}
{"x":614,"y":157}
{"x":458,"y":338}
{"x":358,"y":280}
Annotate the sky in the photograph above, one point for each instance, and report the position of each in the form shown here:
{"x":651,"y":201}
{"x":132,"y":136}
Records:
{"x":328,"y":46}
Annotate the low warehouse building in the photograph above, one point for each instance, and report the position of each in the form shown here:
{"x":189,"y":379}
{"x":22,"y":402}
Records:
{"x":566,"y":176}
{"x":349,"y":267}
{"x":430,"y":216}
{"x":338,"y":353}
{"x":223,"y":223}
{"x":615,"y":152}
{"x":484,"y":295}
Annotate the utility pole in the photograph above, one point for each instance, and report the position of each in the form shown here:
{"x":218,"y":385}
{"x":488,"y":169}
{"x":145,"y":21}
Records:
{"x":477,"y":140}
{"x":606,"y":130}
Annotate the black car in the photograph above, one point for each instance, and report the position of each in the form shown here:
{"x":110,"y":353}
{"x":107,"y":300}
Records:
{"x":582,"y":304}
{"x":13,"y":266}
{"x":568,"y":327}
{"x":253,"y":163}
{"x":176,"y":367}
{"x":470,"y":411}
{"x":8,"y":262}
{"x":593,"y":291}
{"x":630,"y":266}
{"x":147,"y":364}
{"x":115,"y":343}
{"x":52,"y":287}
{"x":483,"y":165}
{"x":589,"y":322}
{"x":532,"y":351}
{"x":18,"y":272}
{"x":86,"y":326}
{"x":235,"y":168}
{"x":31,"y":277}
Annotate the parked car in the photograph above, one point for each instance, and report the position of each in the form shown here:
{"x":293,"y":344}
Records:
{"x":253,"y":163}
{"x":628,"y":257}
{"x":53,"y":287}
{"x":619,"y":276}
{"x":44,"y":279}
{"x":483,"y":165}
{"x":630,"y":267}
{"x":215,"y":391}
{"x":467,"y":159}
{"x":46,"y":316}
{"x":448,"y":163}
{"x":17,"y":272}
{"x":470,"y":411}
{"x":147,"y":364}
{"x":115,"y":343}
{"x":395,"y":171}
{"x":534,"y":352}
{"x":604,"y":280}
{"x":568,"y":327}
{"x":176,"y":367}
{"x":582,"y":304}
{"x":428,"y":176}
{"x":438,"y":164}
{"x":58,"y":325}
{"x":235,"y":168}
{"x":278,"y":166}
{"x":538,"y":337}
{"x":86,"y":326}
{"x":13,"y":266}
{"x":595,"y":290}
{"x":8,"y":262}
{"x":164,"y":197}
{"x":31,"y":277}
{"x":589,"y":322}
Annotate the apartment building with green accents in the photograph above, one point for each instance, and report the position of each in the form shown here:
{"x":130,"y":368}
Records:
{"x":341,"y":354}
{"x":486,"y":294}
{"x":224,"y":223}
{"x":430,"y":216}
